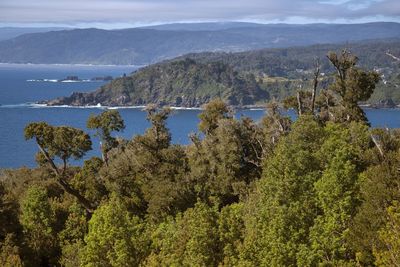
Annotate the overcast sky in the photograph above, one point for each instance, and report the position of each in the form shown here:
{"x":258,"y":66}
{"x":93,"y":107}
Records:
{"x":124,"y":13}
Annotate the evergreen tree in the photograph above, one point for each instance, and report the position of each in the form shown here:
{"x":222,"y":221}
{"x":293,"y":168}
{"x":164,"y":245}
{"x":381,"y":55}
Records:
{"x":115,"y":237}
{"x":105,"y":123}
{"x":37,"y":219}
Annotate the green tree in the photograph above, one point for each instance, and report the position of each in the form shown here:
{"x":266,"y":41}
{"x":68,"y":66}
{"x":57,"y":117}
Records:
{"x":104,"y":124}
{"x":115,"y":237}
{"x":64,"y":143}
{"x":284,"y":205}
{"x":379,"y":188}
{"x":191,"y":239}
{"x":72,"y":236}
{"x":88,"y":182}
{"x":10,"y":254}
{"x":352,"y":84}
{"x":151,"y":173}
{"x":337,"y":196}
{"x":224,"y":163}
{"x":213,"y":112}
{"x":389,"y":255}
{"x":37,"y":219}
{"x":8,"y":214}
{"x":231,"y":233}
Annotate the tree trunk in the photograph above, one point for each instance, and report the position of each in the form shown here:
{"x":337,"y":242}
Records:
{"x":315,"y":85}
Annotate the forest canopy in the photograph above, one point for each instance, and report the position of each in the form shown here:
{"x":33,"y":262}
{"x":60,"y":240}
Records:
{"x":322,"y":190}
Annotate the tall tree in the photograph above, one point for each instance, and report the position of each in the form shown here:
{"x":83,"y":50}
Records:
{"x":64,"y":143}
{"x":213,"y":112}
{"x":352,"y":84}
{"x":104,"y":124}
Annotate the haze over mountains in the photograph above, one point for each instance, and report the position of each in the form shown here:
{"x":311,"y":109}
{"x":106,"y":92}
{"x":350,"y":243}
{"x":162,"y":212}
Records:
{"x":12,"y":32}
{"x":139,"y":46}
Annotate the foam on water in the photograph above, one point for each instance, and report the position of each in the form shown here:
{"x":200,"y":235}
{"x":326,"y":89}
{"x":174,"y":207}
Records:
{"x":98,"y":106}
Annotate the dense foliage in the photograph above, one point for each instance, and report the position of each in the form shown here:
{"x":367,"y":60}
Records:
{"x":320,"y":191}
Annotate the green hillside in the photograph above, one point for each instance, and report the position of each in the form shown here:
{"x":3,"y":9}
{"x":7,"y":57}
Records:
{"x":243,"y":79}
{"x":179,"y":83}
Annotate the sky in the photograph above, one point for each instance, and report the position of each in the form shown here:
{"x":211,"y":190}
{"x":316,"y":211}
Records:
{"x":131,"y":13}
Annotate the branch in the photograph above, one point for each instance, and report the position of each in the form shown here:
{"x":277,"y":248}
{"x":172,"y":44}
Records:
{"x":48,"y":158}
{"x":82,"y":200}
{"x":64,"y":184}
{"x":299,"y":104}
{"x":378,"y":146}
{"x":316,"y":75}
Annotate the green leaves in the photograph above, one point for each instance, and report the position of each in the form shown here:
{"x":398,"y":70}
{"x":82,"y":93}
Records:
{"x":105,"y":123}
{"x":389,"y":255}
{"x":353,"y":85}
{"x":37,"y":219}
{"x":213,"y":112}
{"x":115,"y":237}
{"x":60,"y":141}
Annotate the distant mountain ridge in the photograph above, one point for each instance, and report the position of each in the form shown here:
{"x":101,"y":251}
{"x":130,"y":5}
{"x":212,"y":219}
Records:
{"x":152,"y":44}
{"x":12,"y":32}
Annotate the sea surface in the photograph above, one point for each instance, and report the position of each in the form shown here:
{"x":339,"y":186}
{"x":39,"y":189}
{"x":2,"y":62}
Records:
{"x":21,"y":86}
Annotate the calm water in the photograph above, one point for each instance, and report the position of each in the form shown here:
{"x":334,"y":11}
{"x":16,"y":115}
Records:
{"x":16,"y":91}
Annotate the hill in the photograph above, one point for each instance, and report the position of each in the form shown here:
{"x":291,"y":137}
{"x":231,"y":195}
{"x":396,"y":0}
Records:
{"x":180,"y":83}
{"x":140,"y":46}
{"x":12,"y":32}
{"x":241,"y":79}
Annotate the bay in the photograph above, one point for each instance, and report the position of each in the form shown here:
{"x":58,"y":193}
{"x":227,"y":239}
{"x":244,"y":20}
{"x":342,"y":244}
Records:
{"x":17,"y":93}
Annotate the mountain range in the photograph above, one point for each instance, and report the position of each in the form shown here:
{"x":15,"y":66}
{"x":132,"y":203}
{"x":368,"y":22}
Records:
{"x":146,"y":45}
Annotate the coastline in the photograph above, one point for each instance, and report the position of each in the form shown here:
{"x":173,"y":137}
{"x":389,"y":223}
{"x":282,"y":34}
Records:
{"x":251,"y":107}
{"x":68,"y":65}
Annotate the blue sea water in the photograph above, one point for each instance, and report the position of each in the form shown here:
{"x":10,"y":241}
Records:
{"x":16,"y":91}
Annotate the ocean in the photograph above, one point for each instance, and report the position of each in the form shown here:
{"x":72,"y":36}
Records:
{"x":22,"y":85}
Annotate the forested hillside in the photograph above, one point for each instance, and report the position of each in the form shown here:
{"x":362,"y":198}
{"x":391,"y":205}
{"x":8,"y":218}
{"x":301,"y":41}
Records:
{"x":179,"y":83}
{"x":319,"y":191}
{"x":246,"y":78}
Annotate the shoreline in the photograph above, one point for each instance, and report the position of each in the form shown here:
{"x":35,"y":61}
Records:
{"x":68,"y":65}
{"x":252,"y":108}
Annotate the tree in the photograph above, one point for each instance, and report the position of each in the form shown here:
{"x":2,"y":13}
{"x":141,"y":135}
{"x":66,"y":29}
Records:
{"x":302,"y":209}
{"x":151,"y":173}
{"x":191,"y":239}
{"x":352,"y":84}
{"x":225,"y":162}
{"x":231,"y":233}
{"x":304,"y":101}
{"x":64,"y":143}
{"x":10,"y":255}
{"x":115,"y":237}
{"x":8,"y":214}
{"x":337,"y":196}
{"x":389,"y":255}
{"x":88,"y":181}
{"x":72,"y":236}
{"x":283,"y":206}
{"x":274,"y":125}
{"x":37,"y":219}
{"x":104,"y":124}
{"x":213,"y":112}
{"x":379,"y":189}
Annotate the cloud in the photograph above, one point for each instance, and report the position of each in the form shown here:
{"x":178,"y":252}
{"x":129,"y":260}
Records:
{"x":150,"y":11}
